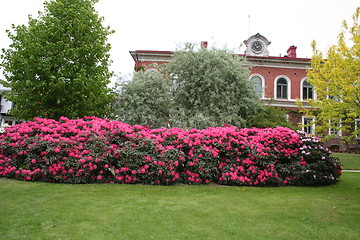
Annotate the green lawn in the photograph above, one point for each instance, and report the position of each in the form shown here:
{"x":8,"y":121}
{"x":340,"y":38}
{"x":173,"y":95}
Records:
{"x":32,"y":210}
{"x":349,"y":161}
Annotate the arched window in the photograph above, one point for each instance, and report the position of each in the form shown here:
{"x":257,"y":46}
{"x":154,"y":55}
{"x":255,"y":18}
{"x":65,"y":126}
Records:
{"x":281,"y":88}
{"x":257,"y":85}
{"x":307,"y":91}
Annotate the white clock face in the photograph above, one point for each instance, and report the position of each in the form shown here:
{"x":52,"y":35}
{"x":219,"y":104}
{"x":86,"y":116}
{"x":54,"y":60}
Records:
{"x":257,"y":46}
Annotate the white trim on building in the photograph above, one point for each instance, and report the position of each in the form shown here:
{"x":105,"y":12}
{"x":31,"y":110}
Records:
{"x":287,"y":79}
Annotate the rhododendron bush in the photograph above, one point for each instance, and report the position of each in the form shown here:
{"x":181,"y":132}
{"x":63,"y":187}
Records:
{"x":94,"y":150}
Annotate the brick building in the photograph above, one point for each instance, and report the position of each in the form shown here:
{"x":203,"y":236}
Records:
{"x":279,"y":81}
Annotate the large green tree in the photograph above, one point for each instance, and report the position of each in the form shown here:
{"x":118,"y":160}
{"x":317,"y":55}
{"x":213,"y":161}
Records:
{"x":58,"y":64}
{"x":336,"y":80}
{"x":199,"y":88}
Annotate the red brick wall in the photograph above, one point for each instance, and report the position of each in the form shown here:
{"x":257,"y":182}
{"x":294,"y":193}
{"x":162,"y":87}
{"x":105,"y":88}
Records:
{"x":270,"y":73}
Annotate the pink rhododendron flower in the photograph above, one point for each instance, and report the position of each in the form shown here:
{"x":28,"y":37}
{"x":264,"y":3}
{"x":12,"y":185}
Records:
{"x":242,"y":151}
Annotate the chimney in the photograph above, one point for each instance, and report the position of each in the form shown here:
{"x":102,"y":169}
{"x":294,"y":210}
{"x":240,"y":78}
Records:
{"x":291,"y":52}
{"x":204,"y":44}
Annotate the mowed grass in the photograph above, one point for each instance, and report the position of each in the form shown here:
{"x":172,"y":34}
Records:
{"x":31,"y":210}
{"x":349,"y":161}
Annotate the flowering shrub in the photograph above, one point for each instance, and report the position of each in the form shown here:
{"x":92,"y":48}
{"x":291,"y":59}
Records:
{"x":94,"y":150}
{"x":316,"y":166}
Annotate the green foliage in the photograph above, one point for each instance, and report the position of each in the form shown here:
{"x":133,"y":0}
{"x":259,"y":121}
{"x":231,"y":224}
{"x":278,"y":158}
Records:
{"x":198,"y":89}
{"x":211,"y":88}
{"x":270,"y":116}
{"x":317,"y":166}
{"x":92,"y":150}
{"x":336,"y":80}
{"x":57,"y":65}
{"x":145,"y":100}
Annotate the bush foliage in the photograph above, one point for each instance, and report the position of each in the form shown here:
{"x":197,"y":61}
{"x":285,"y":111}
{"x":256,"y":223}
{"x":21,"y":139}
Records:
{"x":94,"y":150}
{"x":199,"y":88}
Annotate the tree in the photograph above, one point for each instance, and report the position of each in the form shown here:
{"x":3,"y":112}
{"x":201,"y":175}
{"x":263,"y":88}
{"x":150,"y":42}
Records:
{"x":270,"y":117}
{"x":57,"y":65}
{"x":336,"y":81}
{"x":198,"y":89}
{"x":145,"y":100}
{"x":211,"y":88}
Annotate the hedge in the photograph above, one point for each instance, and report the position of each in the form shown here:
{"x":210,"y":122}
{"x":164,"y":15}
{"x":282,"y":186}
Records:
{"x":94,"y":150}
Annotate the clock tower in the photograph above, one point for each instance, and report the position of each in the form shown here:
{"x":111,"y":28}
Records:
{"x":257,"y":45}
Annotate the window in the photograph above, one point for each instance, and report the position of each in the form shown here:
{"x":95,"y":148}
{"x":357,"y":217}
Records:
{"x":335,"y":128}
{"x":151,"y":70}
{"x":281,"y":88}
{"x":308,"y":125}
{"x":307,"y":91}
{"x":257,"y":85}
{"x":174,"y":82}
{"x":9,"y":122}
{"x":357,"y":127}
{"x":287,"y":117}
{"x":335,"y":98}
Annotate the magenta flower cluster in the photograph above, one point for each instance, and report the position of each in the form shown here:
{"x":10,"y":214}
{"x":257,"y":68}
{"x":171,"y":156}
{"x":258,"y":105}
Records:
{"x":94,"y":150}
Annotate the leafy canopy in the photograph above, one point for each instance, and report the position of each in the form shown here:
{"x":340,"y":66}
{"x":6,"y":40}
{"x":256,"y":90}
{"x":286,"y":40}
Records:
{"x":271,"y":117}
{"x":57,"y":65}
{"x":201,"y":88}
{"x":336,"y":81}
{"x":212,"y":88}
{"x":145,"y":100}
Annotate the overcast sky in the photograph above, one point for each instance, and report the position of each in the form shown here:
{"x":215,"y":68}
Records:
{"x":165,"y":24}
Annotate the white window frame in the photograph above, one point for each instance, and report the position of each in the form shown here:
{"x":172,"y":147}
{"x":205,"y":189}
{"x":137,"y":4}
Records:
{"x":302,"y":90}
{"x":329,"y":97}
{"x":174,"y":83}
{"x":288,"y":87}
{"x":303,"y":118}
{"x":357,"y":124}
{"x":262,"y":83}
{"x":338,"y":133}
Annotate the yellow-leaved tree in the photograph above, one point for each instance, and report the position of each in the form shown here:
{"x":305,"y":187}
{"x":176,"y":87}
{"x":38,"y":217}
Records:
{"x":336,"y":81}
